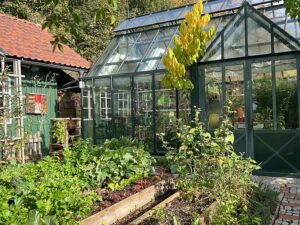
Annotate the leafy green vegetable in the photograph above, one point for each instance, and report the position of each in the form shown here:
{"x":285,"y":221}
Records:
{"x":51,"y":191}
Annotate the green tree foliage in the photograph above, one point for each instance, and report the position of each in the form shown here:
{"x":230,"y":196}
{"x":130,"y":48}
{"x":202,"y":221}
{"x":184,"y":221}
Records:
{"x":84,"y":25}
{"x":293,"y":8}
{"x":138,"y":7}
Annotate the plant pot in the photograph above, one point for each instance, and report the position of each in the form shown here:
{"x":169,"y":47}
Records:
{"x":240,"y":114}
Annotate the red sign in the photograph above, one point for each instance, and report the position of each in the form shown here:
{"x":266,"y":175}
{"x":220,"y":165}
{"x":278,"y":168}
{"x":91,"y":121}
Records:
{"x":36,"y":104}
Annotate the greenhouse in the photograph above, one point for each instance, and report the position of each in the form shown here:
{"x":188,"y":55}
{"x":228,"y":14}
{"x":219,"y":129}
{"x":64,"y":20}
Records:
{"x":253,"y":61}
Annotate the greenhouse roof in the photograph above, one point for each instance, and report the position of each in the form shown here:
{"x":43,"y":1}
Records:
{"x":211,"y":7}
{"x":141,"y":49}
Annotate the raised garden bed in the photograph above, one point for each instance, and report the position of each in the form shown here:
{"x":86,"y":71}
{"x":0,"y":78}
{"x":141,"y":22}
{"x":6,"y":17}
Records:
{"x":128,"y":200}
{"x":162,"y":210}
{"x":180,"y":208}
{"x":152,"y":210}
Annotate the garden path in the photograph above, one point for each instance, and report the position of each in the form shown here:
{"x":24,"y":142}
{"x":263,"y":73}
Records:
{"x":289,"y":211}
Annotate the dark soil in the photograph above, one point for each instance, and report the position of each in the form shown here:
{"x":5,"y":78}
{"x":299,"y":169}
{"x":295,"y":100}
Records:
{"x":110,"y":198}
{"x":144,"y":209}
{"x":184,"y":211}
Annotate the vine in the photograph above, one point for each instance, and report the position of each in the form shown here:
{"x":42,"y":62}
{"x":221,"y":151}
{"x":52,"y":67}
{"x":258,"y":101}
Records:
{"x":189,"y":46}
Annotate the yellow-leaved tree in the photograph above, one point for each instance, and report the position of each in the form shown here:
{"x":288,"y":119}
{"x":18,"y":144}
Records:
{"x":189,"y":46}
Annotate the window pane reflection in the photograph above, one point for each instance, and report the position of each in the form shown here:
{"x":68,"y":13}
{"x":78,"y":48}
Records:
{"x":165,"y":110}
{"x":122,"y":106}
{"x":165,"y":106}
{"x":234,"y":79}
{"x":87,"y":109}
{"x":286,"y":94}
{"x":262,"y":95}
{"x":259,"y":39}
{"x":103,"y":110}
{"x":144,"y":109}
{"x":213,"y":89}
{"x":234,"y":39}
{"x":184,"y":106}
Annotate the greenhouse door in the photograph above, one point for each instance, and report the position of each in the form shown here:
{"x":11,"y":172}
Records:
{"x":275,"y":115}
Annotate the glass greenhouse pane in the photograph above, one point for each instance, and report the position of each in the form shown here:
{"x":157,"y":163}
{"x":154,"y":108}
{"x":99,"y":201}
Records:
{"x":87,"y":109}
{"x":103,"y":110}
{"x":163,"y":17}
{"x":138,"y":21}
{"x":165,"y":110}
{"x":125,"y":44}
{"x":185,"y":105}
{"x":178,"y":13}
{"x":122,"y":25}
{"x":234,"y":39}
{"x":212,"y":6}
{"x":142,"y":44}
{"x":124,"y":49}
{"x":122,"y":106}
{"x":128,"y":67}
{"x":279,"y":12}
{"x":149,"y":65}
{"x":282,"y":43}
{"x":259,"y":39}
{"x":109,"y":69}
{"x":292,"y":28}
{"x":159,"y":46}
{"x":175,"y":13}
{"x":262,"y":95}
{"x":143,"y":101}
{"x":152,"y":18}
{"x":137,"y":52}
{"x":165,"y":106}
{"x":87,"y":99}
{"x":286,"y":94}
{"x":214,"y":96}
{"x":235,"y":94}
{"x":230,"y":4}
{"x":214,"y":52}
{"x":157,"y":49}
{"x":96,"y":69}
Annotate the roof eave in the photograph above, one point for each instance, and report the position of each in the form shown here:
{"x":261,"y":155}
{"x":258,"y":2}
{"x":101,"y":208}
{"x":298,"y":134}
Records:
{"x":49,"y":64}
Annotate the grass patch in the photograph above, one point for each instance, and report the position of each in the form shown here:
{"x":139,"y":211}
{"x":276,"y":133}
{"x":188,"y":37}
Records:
{"x":263,"y":203}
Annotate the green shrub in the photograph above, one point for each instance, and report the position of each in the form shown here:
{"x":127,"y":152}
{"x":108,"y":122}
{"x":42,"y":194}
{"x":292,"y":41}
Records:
{"x":207,"y":162}
{"x":115,"y":164}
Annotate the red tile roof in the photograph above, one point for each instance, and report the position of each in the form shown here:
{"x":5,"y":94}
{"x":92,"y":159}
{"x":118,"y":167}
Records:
{"x":24,"y":39}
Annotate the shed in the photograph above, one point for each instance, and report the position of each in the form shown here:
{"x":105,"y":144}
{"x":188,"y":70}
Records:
{"x":30,"y":76}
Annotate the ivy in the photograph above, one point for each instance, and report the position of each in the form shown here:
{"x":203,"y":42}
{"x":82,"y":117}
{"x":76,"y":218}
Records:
{"x":190,"y":45}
